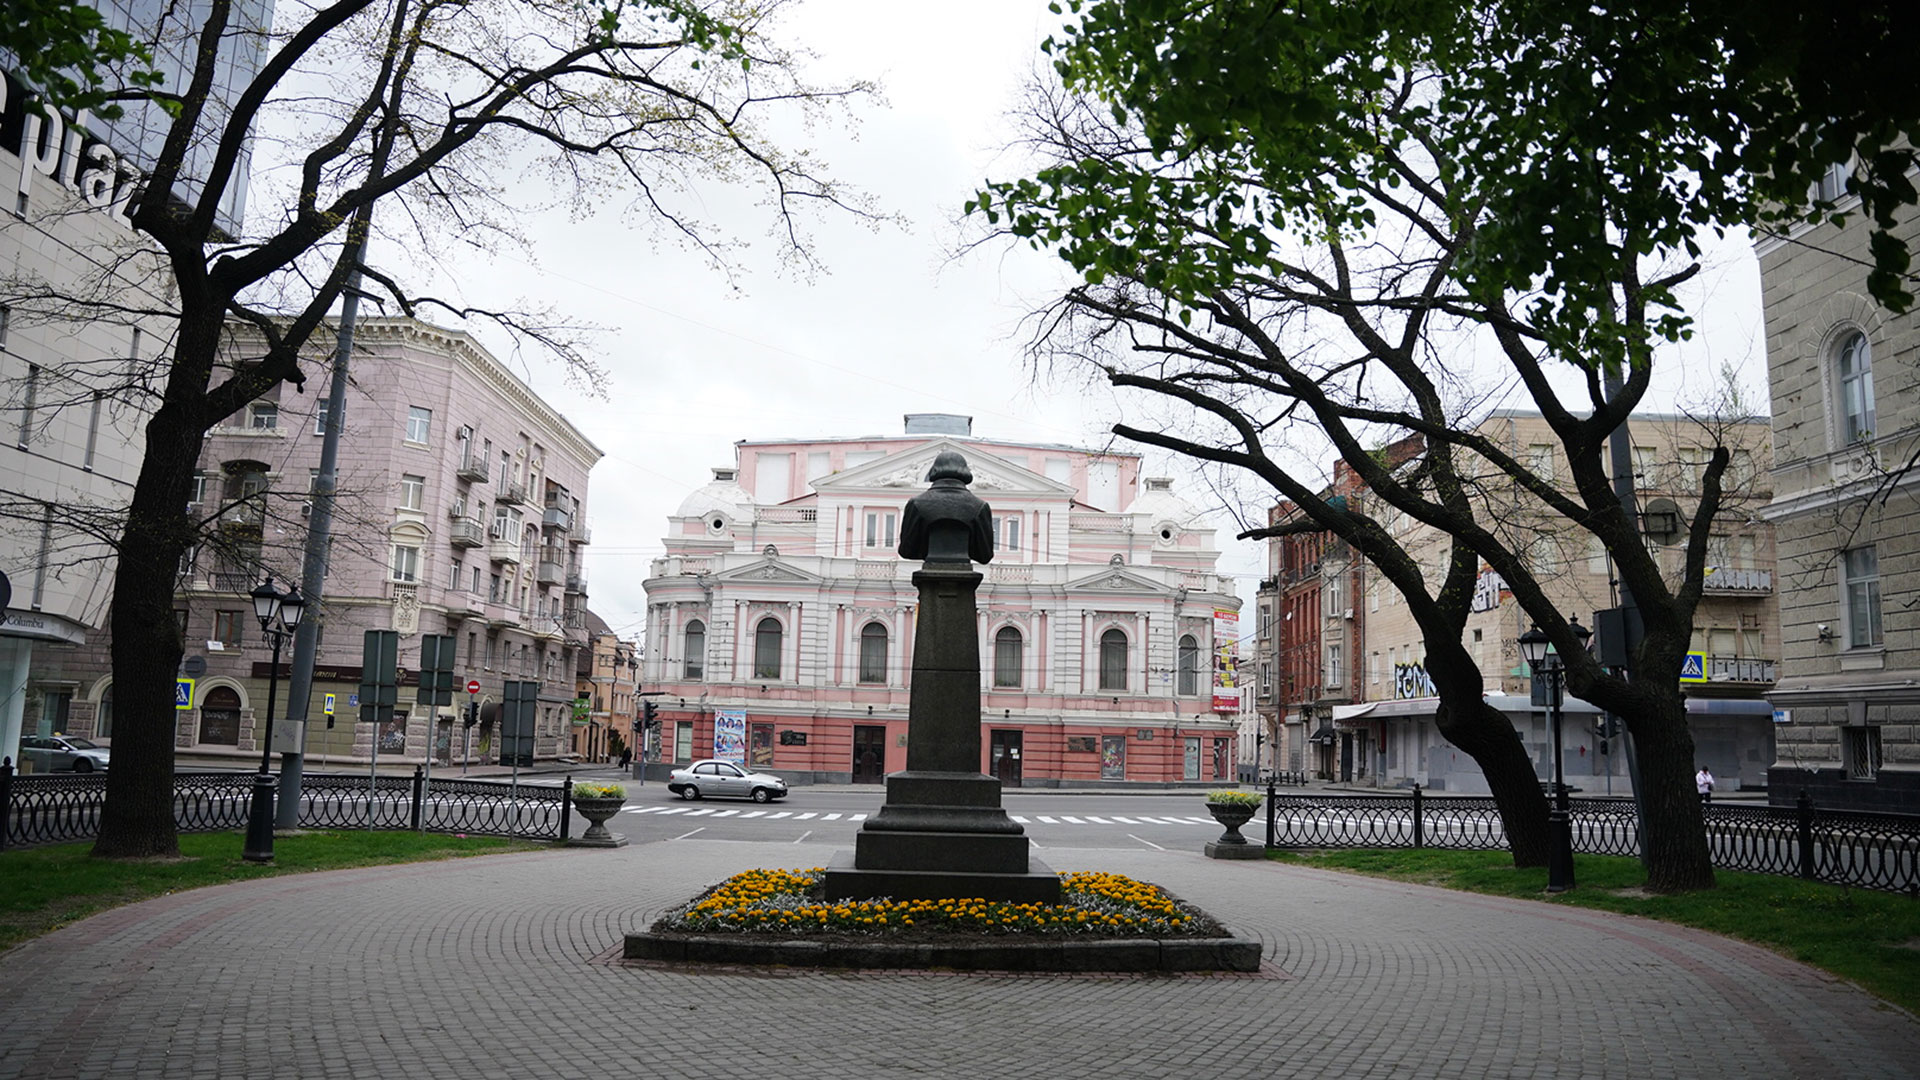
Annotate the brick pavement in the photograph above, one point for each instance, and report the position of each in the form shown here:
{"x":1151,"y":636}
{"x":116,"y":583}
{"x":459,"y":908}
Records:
{"x":501,"y":967}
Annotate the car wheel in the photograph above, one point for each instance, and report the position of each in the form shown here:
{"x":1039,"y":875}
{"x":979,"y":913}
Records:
{"x":689,"y":793}
{"x":81,"y":765}
{"x":761,"y":794}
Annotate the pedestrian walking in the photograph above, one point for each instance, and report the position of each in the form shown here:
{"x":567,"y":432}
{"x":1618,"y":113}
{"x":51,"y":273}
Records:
{"x":1703,"y":782}
{"x":626,"y":756}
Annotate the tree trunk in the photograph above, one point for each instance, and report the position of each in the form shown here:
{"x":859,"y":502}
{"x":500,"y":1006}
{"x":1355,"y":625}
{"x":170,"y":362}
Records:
{"x":1673,"y":827}
{"x":138,"y":820}
{"x":1488,"y":737}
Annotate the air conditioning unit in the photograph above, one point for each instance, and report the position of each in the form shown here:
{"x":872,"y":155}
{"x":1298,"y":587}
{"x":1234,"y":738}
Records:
{"x":458,"y":509}
{"x":498,"y":531}
{"x":1347,"y":614}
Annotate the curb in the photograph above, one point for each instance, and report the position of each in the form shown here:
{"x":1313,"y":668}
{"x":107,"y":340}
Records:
{"x":1126,"y":955}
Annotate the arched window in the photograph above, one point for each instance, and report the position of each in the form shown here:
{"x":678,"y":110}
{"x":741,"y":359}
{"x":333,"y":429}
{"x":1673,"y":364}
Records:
{"x":873,"y":653}
{"x":220,"y":717}
{"x":1113,"y":660}
{"x":1189,"y":666}
{"x":766,"y":649}
{"x":1008,"y":650}
{"x":696,"y":651}
{"x":103,"y":714}
{"x":1853,"y":366}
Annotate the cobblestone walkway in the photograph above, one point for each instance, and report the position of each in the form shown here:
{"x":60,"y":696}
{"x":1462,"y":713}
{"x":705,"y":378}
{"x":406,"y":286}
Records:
{"x":502,"y":967}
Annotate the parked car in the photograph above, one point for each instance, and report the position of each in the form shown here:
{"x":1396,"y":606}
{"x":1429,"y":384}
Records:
{"x":51,"y":752}
{"x":716,"y":777}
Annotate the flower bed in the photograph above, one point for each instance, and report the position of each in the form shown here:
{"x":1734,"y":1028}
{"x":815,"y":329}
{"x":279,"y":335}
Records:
{"x":787,"y":902}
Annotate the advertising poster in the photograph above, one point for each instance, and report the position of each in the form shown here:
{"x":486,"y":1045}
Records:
{"x":1226,"y":642}
{"x":730,"y":735}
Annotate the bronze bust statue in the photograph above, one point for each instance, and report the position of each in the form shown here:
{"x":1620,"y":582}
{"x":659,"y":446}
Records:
{"x":947,"y":523}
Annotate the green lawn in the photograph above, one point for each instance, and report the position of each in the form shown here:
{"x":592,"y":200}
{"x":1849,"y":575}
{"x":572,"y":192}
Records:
{"x":43,"y":889}
{"x":1870,"y":938}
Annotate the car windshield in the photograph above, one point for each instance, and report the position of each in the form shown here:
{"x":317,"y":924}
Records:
{"x":81,"y":744}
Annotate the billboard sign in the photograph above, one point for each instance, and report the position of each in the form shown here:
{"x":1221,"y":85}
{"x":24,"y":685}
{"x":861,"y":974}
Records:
{"x":1226,"y":643}
{"x":730,"y":735}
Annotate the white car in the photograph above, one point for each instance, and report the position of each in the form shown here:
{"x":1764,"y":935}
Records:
{"x":51,"y":752}
{"x":716,"y":777}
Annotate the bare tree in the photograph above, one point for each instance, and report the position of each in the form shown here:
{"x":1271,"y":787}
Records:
{"x":426,"y":107}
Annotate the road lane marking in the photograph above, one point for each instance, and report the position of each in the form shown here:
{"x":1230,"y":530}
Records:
{"x":1149,"y":843}
{"x":684,"y":835}
{"x":803,"y":836}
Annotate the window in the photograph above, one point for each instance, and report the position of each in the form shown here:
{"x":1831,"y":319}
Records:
{"x":1540,"y":460}
{"x":1645,"y":468}
{"x":1189,"y":681}
{"x":263,"y":416}
{"x":313,"y":481}
{"x":1860,"y":751}
{"x":1012,"y":533}
{"x":1860,"y":585}
{"x":93,"y":431}
{"x":103,"y":713}
{"x":696,"y":651}
{"x":406,"y":563}
{"x":1008,"y":647}
{"x":1333,"y":667}
{"x":419,"y":424}
{"x":1543,"y":556}
{"x":220,"y":717}
{"x":226,"y":627}
{"x":880,"y":530}
{"x":1832,"y":183}
{"x":1853,"y":364}
{"x":873,"y":653}
{"x":27,"y":396}
{"x":1113,"y":660}
{"x":766,"y":649}
{"x":454,"y":579}
{"x":199,"y":488}
{"x":413,"y":492}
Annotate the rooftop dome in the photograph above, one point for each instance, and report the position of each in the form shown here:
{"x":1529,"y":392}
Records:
{"x":1165,"y":513}
{"x":723,"y":493}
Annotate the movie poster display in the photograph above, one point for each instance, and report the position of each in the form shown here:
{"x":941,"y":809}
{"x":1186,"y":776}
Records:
{"x":730,"y":735}
{"x":1226,"y":643}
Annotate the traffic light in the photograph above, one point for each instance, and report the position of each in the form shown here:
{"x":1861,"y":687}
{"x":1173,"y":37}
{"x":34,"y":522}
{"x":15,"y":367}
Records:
{"x":652,"y":715}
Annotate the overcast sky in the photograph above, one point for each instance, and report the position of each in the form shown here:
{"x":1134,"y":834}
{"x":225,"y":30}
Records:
{"x":696,"y":363}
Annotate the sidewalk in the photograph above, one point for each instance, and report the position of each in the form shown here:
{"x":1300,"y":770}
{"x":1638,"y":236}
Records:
{"x":504,"y":967}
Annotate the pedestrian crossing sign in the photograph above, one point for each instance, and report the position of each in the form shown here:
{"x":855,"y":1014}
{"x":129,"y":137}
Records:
{"x":183,"y":693}
{"x":329,"y":705}
{"x":1694,"y":667}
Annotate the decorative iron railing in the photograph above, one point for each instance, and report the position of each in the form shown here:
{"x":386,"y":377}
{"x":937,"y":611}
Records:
{"x":61,"y":808}
{"x":1861,"y":850}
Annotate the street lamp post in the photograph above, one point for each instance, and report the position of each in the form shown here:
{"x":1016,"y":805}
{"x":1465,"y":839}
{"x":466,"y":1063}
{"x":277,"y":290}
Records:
{"x":279,"y":614}
{"x":1540,"y":656}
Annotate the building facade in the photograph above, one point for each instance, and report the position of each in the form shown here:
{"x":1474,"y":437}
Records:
{"x":608,"y":671}
{"x":460,"y":510}
{"x":1375,"y":726}
{"x":1846,"y":508}
{"x":782,"y":619}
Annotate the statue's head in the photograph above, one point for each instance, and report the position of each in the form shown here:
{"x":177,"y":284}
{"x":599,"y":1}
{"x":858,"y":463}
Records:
{"x":949,"y":465}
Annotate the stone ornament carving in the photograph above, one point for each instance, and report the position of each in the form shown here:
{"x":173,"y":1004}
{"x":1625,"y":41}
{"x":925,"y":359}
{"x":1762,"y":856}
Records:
{"x":406,"y":610}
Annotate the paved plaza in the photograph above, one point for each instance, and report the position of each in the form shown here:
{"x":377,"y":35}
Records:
{"x":506,"y":966}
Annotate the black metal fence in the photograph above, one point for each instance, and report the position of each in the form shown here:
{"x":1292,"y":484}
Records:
{"x":55,"y":809}
{"x":1842,"y":847}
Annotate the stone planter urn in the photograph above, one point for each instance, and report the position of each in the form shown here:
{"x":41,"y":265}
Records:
{"x":597,"y":810}
{"x":1231,"y":844}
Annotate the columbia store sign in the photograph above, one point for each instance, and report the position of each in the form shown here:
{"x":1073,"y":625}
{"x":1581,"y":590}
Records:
{"x":60,"y":147}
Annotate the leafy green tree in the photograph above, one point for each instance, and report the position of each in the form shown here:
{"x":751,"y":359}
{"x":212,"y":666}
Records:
{"x":1377,"y":219}
{"x":70,"y":53}
{"x":419,"y":106}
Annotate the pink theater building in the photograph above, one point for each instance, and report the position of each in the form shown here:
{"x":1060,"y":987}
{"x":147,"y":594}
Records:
{"x":781,"y":621}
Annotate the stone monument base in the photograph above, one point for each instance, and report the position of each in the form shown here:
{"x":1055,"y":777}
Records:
{"x":1217,"y":850}
{"x":846,"y":881}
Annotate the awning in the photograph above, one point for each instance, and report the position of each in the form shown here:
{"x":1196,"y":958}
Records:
{"x":1324,"y":735}
{"x":1348,"y":712}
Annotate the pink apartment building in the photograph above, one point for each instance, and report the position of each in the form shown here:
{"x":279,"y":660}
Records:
{"x":781,"y":621}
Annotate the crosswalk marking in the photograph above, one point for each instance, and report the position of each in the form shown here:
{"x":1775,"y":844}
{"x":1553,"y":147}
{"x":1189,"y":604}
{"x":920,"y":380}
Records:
{"x":805,"y":816}
{"x":781,"y":814}
{"x":753,"y":813}
{"x":1126,"y":821}
{"x":831,"y":817}
{"x":1098,"y":820}
{"x":1046,"y":819}
{"x":675,"y":810}
{"x":725,"y":813}
{"x":697,"y":813}
{"x":1018,"y":818}
{"x":1071,"y":820}
{"x":857,"y":817}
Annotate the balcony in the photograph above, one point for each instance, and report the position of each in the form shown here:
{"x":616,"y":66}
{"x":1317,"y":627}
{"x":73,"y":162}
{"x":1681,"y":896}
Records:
{"x":517,"y":492}
{"x":472,"y":469}
{"x":503,"y":616}
{"x":462,"y":600}
{"x":581,"y":535}
{"x":1722,"y":581}
{"x":549,"y":573}
{"x":547,"y":626}
{"x":576,"y":579}
{"x":556,"y":518}
{"x":467,"y":533}
{"x":1742,"y":670}
{"x":505,"y":550}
